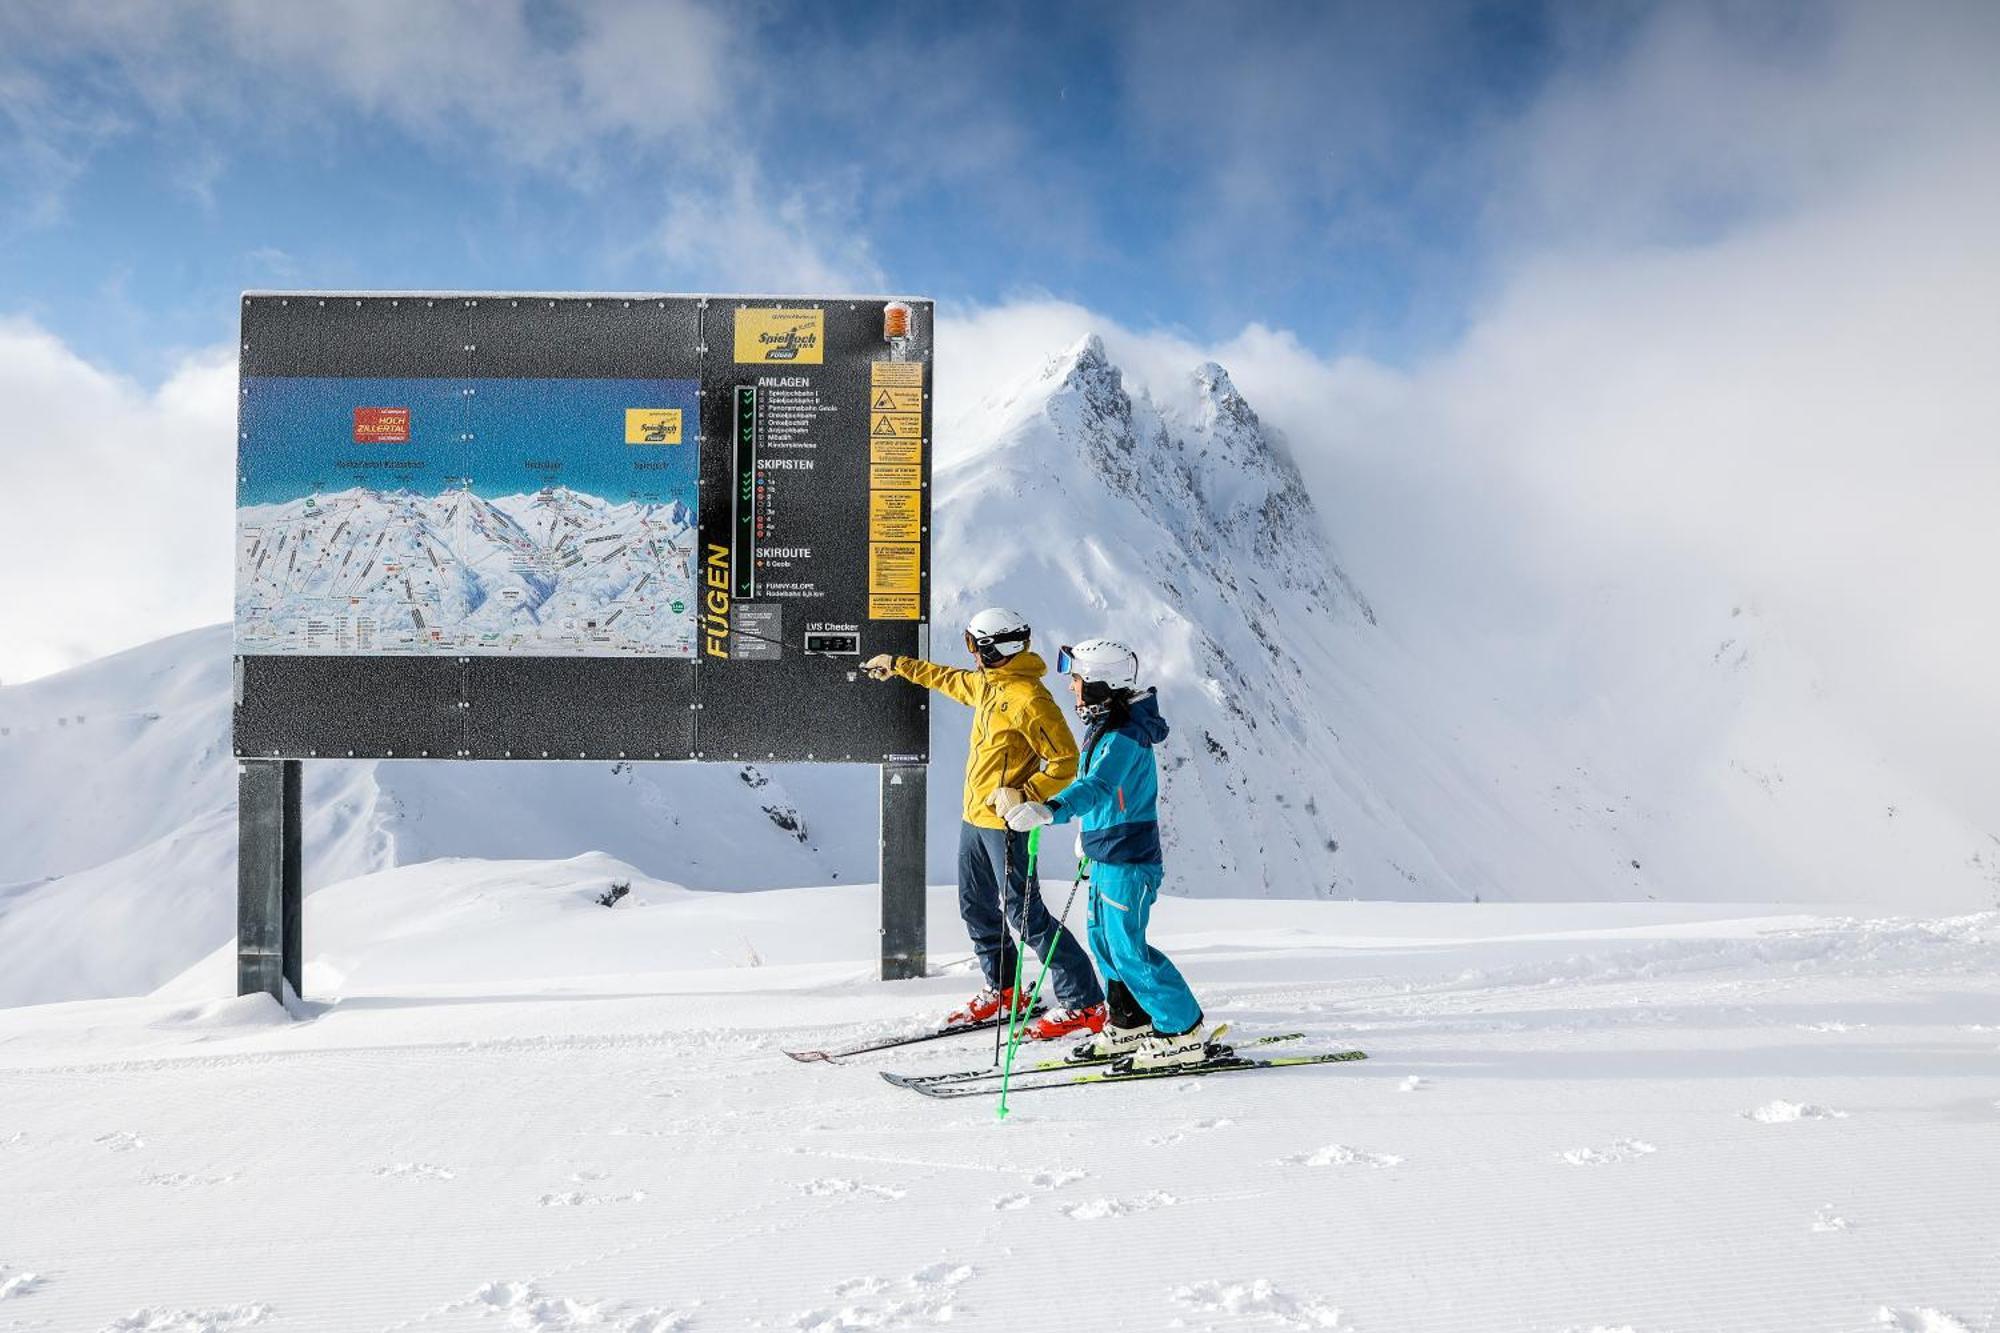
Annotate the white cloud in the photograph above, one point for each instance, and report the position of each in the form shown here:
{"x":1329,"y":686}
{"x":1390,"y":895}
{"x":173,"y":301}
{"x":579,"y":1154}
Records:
{"x":1794,"y":407}
{"x":736,"y":234}
{"x":556,"y":90}
{"x":117,"y":525}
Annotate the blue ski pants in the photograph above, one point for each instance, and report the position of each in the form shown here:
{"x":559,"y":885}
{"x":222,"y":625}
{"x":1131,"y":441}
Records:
{"x":1121,"y":903}
{"x":982,"y":855}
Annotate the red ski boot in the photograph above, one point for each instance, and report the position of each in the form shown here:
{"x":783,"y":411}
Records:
{"x":1063,"y":1022}
{"x":982,"y":1007}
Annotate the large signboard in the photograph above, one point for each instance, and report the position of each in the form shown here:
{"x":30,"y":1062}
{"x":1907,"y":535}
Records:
{"x":524,"y":526}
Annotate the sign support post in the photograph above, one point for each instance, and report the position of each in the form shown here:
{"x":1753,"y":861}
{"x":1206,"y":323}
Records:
{"x":903,"y":871}
{"x":269,"y":877}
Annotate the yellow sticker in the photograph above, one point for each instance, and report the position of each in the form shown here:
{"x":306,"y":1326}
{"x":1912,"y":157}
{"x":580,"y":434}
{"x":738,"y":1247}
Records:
{"x":894,"y":606}
{"x":895,"y":516}
{"x":895,"y":567}
{"x":895,"y":450}
{"x":895,"y":400}
{"x":895,"y":425}
{"x":895,"y":476}
{"x":781,"y":337}
{"x":652,"y":425}
{"x":896,"y":375}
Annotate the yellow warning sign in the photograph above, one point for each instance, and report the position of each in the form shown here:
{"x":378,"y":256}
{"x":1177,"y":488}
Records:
{"x":895,"y":476}
{"x":895,"y":451}
{"x":652,"y":425}
{"x":895,"y":516}
{"x":896,"y":375}
{"x":895,"y":567}
{"x":895,"y":425}
{"x":781,"y":337}
{"x":896,"y":400}
{"x":893,"y":606}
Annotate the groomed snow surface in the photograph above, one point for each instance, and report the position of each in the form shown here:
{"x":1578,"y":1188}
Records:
{"x":504,"y":1106}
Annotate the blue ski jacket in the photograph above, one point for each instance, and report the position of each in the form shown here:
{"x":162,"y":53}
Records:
{"x":1116,"y":795}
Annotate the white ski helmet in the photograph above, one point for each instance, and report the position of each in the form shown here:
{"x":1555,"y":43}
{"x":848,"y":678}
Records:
{"x":1104,"y":662}
{"x":996,"y":634}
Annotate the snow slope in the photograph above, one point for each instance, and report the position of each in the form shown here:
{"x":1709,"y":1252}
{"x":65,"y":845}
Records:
{"x":510,"y":1107}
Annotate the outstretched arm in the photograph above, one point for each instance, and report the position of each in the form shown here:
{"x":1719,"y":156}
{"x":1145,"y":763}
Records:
{"x":952,"y":682}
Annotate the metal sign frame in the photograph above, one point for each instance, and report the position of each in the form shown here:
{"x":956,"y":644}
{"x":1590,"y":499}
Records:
{"x":812,"y":539}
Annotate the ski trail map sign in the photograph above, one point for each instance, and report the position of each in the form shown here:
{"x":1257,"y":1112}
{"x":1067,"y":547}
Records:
{"x":516,"y":526}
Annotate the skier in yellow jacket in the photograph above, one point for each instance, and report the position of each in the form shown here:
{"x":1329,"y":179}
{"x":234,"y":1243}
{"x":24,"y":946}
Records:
{"x":1020,"y":741}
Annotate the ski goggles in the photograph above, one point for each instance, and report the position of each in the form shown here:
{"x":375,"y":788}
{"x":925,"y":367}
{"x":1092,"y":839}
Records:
{"x":1065,"y":660}
{"x":979,"y":643}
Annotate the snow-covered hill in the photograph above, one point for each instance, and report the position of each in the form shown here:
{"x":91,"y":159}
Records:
{"x":1315,"y":752}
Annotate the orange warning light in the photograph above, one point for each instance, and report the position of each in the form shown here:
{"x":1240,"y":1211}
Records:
{"x":895,"y":321}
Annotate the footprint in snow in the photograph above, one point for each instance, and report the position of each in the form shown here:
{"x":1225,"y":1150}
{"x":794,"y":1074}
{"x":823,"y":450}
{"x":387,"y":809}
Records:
{"x":830,"y":1187}
{"x":1922,"y":1319}
{"x":122,"y":1141}
{"x":924,"y":1297}
{"x":1055,"y":1180}
{"x":1098,"y":1209}
{"x":1782,"y":1113}
{"x":1339,"y":1154}
{"x":183,"y":1180}
{"x":418,"y":1170}
{"x":18,"y":1284}
{"x":1828,"y":1220}
{"x":1625,"y":1150}
{"x":1259,"y":1300}
{"x":160,"y":1319}
{"x":1414,"y":1083}
{"x":527,"y":1306}
{"x":1192,"y":1127}
{"x":1007,"y":1203}
{"x":578,"y":1199}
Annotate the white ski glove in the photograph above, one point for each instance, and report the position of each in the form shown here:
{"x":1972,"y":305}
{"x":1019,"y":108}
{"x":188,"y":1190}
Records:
{"x":1029,"y":814}
{"x":1004,"y":799}
{"x":880,"y":667}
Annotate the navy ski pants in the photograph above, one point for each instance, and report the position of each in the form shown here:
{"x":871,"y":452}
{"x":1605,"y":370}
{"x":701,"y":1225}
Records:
{"x":981,"y":855}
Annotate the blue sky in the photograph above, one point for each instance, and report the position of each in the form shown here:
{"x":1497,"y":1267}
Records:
{"x":1321,"y":168}
{"x":1568,"y":311}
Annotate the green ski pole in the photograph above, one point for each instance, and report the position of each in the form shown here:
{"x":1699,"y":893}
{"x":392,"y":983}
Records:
{"x":1062,"y":923}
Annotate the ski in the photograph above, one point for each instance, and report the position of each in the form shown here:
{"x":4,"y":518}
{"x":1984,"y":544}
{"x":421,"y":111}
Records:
{"x":1044,"y":1066}
{"x":951,"y":1030}
{"x":1228,"y":1064}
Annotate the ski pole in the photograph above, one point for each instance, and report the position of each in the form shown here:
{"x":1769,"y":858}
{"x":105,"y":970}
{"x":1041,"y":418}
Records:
{"x":1006,"y":930}
{"x":1062,"y":926}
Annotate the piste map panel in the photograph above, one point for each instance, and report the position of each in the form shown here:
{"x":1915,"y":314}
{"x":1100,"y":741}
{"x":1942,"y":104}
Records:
{"x":673,"y":525}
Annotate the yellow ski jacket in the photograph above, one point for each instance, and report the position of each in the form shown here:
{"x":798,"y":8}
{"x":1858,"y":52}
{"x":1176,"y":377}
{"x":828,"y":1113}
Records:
{"x":1019,"y":738}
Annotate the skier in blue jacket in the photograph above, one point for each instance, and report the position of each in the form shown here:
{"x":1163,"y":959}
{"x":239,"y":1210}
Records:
{"x":1154,"y":1019}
